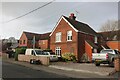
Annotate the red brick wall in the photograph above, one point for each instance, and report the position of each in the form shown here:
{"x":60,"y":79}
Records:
{"x":81,"y":43}
{"x":44,"y":44}
{"x":114,"y":44}
{"x":65,"y":45}
{"x":88,"y":50}
{"x":22,"y":38}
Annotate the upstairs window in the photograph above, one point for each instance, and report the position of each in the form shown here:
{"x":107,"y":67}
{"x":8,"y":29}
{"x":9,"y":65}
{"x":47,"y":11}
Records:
{"x":69,"y":35}
{"x":20,"y":41}
{"x":96,"y":40}
{"x":24,"y":42}
{"x":58,"y":37}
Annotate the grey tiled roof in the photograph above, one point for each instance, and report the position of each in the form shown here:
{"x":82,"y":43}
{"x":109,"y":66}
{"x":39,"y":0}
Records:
{"x":91,"y":44}
{"x":81,"y":26}
{"x":30,"y":36}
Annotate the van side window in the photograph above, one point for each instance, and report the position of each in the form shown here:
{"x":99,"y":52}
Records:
{"x":33,"y":53}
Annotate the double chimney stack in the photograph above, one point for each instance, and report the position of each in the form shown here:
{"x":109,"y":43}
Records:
{"x":72,"y":16}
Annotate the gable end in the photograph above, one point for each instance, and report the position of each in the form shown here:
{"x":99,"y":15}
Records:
{"x":65,"y":21}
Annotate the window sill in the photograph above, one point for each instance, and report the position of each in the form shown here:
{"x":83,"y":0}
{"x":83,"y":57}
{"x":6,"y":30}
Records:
{"x":57,"y":41}
{"x":69,"y":40}
{"x":95,"y":42}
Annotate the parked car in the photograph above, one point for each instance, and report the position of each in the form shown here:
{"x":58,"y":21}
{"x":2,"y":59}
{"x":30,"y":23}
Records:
{"x":105,"y":57}
{"x":53,"y":57}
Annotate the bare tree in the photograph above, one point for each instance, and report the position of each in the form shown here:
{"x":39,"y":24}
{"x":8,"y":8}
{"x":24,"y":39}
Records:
{"x":110,"y":25}
{"x":111,"y":30}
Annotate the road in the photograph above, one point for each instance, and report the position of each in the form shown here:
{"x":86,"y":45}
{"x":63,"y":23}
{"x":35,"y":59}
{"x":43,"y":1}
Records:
{"x":10,"y":70}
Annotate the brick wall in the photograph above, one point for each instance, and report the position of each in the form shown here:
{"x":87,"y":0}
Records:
{"x":117,"y":63}
{"x":44,"y":44}
{"x":81,"y":43}
{"x":22,"y":38}
{"x":114,"y":44}
{"x":88,"y":51}
{"x":44,"y":59}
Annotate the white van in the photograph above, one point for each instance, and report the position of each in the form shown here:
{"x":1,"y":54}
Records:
{"x":39,"y":52}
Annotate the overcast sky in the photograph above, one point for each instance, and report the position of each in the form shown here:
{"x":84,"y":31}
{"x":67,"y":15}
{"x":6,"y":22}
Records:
{"x":44,"y":20}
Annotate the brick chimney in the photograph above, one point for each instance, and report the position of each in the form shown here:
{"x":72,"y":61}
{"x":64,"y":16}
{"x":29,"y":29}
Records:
{"x":72,"y":16}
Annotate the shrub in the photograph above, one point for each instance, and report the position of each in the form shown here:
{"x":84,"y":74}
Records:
{"x":19,"y":51}
{"x":68,"y":57}
{"x":85,"y":58}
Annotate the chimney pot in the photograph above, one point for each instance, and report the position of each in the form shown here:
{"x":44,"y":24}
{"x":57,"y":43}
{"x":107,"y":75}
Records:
{"x":72,"y":16}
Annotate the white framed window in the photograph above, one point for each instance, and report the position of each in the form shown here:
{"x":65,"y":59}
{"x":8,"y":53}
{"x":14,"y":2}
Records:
{"x":69,"y":35}
{"x":58,"y":37}
{"x":96,"y":40}
{"x":58,"y":51}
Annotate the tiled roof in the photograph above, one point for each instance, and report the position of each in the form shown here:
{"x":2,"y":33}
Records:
{"x":110,"y":35}
{"x":91,"y":44}
{"x":81,"y":26}
{"x":45,"y":36}
{"x":30,"y":36}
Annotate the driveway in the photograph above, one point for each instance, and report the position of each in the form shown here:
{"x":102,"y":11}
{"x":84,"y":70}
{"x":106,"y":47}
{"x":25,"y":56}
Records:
{"x":83,"y":67}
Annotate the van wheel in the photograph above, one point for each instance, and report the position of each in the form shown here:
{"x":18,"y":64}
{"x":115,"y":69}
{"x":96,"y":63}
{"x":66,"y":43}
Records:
{"x":31,"y":61}
{"x":97,"y":64}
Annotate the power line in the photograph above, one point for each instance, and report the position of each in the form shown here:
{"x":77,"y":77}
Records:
{"x":30,"y":12}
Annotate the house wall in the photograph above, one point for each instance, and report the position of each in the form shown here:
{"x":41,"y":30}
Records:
{"x":43,"y":44}
{"x":113,"y":44}
{"x":81,"y":43}
{"x":66,"y":46}
{"x":29,"y":44}
{"x":88,"y":50}
{"x":22,"y":38}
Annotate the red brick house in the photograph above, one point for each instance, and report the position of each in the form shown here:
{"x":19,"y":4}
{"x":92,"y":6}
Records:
{"x":70,"y":35}
{"x":41,"y":40}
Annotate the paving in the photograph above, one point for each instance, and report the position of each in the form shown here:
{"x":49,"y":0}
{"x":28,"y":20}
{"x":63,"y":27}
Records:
{"x":83,"y":67}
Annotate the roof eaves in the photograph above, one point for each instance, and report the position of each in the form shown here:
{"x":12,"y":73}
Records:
{"x":87,"y":33}
{"x":62,"y":17}
{"x":89,"y":44}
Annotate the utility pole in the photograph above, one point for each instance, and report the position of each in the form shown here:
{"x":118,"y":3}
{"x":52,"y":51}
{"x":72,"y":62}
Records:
{"x":33,"y":42}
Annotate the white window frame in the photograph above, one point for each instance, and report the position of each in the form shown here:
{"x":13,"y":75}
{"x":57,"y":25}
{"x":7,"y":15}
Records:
{"x":58,"y":37}
{"x":95,"y":39}
{"x":69,"y":35}
{"x":58,"y":51}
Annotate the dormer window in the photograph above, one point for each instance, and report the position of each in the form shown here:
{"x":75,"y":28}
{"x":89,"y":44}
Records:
{"x":69,"y":35}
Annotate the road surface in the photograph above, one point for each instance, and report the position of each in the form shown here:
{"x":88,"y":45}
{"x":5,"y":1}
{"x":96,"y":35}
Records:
{"x":10,"y":70}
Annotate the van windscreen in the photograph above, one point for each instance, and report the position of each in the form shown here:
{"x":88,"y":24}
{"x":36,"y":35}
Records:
{"x":39,"y":52}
